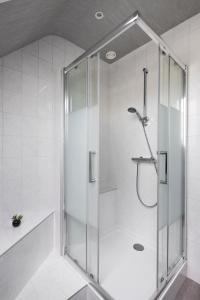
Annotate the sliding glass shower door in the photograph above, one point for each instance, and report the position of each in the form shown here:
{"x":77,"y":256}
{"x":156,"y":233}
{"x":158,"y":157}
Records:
{"x":81,"y":165}
{"x":171,"y":166}
{"x":76,"y":163}
{"x":176,"y":165}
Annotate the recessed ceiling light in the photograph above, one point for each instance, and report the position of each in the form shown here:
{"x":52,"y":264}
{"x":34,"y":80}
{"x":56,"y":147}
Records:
{"x":111,"y":55}
{"x":99,"y":15}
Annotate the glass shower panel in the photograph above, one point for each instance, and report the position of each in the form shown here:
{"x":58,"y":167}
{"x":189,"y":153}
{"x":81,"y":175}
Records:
{"x":171,"y":216}
{"x":76,"y":162}
{"x":163,"y":133}
{"x":81,"y":164}
{"x":93,"y":150}
{"x":128,"y":83}
{"x":176,"y":164}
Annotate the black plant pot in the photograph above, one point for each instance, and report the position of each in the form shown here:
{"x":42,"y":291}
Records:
{"x":16,"y":223}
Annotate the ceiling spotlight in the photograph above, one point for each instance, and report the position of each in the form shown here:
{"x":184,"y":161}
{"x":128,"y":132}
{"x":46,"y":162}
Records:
{"x":99,"y":15}
{"x":111,"y":55}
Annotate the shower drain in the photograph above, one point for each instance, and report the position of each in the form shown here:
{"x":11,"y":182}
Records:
{"x":138,"y":247}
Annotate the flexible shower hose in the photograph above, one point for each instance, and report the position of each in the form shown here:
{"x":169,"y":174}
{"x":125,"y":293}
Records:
{"x":137,"y":190}
{"x":137,"y":174}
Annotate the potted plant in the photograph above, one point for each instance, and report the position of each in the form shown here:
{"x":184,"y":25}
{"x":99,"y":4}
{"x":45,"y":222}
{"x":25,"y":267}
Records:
{"x":16,"y":220}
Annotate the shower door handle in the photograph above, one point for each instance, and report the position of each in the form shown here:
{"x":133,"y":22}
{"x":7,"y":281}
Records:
{"x":165,"y":154}
{"x":92,"y":178}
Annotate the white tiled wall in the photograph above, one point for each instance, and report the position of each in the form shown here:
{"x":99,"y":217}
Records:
{"x":30,"y":123}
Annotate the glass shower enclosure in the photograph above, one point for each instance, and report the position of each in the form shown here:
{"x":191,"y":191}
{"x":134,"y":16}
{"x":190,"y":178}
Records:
{"x":103,"y":220}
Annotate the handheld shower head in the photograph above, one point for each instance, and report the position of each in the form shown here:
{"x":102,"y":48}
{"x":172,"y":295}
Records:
{"x":133,"y":110}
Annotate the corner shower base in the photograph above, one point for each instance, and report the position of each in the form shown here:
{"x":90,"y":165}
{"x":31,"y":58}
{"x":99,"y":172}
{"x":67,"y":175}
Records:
{"x":124,"y":272}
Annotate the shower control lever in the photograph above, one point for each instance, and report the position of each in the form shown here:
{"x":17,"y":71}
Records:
{"x":142,"y":159}
{"x":92,"y":178}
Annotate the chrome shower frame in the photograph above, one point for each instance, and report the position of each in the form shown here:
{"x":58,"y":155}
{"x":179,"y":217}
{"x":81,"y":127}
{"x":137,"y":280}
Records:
{"x":134,"y":19}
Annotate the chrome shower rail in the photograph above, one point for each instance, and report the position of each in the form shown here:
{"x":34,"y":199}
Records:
{"x":131,"y":21}
{"x":145,"y":71}
{"x":105,"y":41}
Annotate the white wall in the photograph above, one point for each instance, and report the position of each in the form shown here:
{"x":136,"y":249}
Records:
{"x":30,"y":125}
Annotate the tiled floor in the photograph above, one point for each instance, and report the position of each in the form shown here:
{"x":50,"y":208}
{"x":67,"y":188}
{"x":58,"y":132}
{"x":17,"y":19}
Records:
{"x":189,"y":291}
{"x":55,"y":280}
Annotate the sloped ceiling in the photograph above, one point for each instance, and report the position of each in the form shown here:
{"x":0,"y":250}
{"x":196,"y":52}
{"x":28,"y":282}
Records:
{"x":23,"y":21}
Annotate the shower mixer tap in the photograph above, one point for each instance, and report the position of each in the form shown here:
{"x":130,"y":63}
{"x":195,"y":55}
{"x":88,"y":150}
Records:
{"x":139,"y":160}
{"x":142,"y":159}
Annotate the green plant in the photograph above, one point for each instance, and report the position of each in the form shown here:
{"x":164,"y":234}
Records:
{"x":17,"y":217}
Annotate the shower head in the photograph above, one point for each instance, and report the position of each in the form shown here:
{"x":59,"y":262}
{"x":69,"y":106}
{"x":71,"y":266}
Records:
{"x":133,"y":110}
{"x":143,"y":120}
